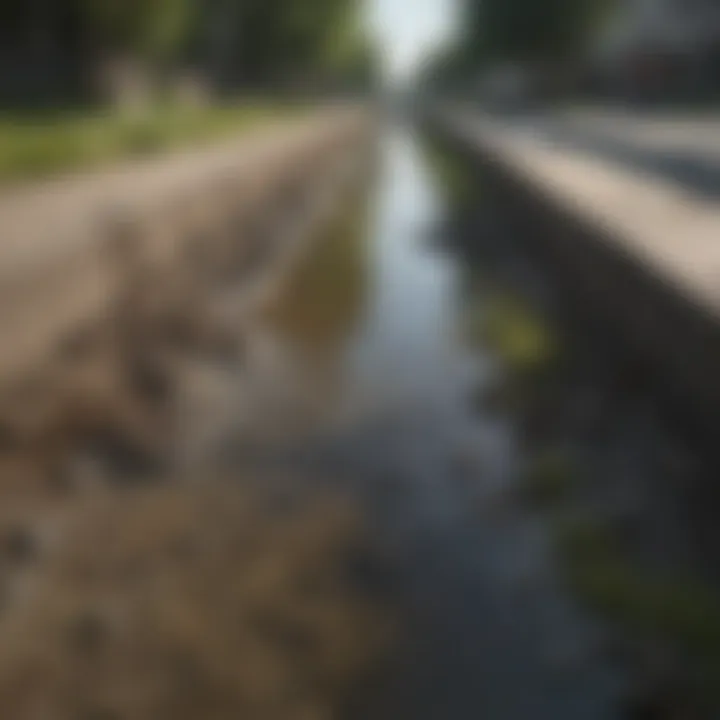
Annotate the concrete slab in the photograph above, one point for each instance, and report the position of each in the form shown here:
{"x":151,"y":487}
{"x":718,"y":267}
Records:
{"x":672,"y":229}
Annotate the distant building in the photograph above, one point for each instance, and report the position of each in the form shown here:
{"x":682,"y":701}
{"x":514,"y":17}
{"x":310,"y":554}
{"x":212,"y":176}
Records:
{"x":678,"y":25}
{"x":663,"y":47}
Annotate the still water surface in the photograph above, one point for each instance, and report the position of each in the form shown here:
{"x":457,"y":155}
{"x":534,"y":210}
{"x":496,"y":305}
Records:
{"x":375,"y":377}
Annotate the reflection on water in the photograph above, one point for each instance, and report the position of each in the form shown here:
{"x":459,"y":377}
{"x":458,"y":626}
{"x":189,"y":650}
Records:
{"x":414,"y":353}
{"x":379,"y":308}
{"x":323,"y":300}
{"x":405,"y":345}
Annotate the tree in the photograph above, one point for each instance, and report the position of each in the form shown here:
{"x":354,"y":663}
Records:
{"x":282,"y":42}
{"x":548,"y":39}
{"x":131,"y":45}
{"x":532,"y":31}
{"x":149,"y":29}
{"x":449,"y":68}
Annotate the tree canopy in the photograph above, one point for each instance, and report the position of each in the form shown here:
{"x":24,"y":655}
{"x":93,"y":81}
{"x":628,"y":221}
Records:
{"x":232,"y":43}
{"x":148,"y":28}
{"x":523,"y":32}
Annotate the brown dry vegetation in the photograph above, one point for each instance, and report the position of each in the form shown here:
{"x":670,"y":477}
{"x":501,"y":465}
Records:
{"x":194,"y":602}
{"x":167,"y":598}
{"x":110,"y":389}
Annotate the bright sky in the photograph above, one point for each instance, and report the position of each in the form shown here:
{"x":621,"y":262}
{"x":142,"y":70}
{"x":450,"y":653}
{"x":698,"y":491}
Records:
{"x":408,"y":30}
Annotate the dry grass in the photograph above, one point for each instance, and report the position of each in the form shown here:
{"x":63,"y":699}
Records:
{"x":123,"y":601}
{"x":110,"y":392}
{"x":179,"y":602}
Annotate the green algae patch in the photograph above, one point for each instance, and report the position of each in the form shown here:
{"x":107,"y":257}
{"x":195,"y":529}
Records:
{"x":519,"y":338}
{"x":548,"y":479}
{"x":680,"y":612}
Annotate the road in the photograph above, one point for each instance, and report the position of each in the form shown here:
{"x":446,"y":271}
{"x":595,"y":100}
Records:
{"x":681,"y":149}
{"x":653,"y":183}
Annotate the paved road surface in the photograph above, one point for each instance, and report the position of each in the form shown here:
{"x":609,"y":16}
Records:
{"x":654,"y":184}
{"x":684,"y":150}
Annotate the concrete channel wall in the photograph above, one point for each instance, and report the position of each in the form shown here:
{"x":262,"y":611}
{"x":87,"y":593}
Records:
{"x":69,"y":249}
{"x":670,"y":323}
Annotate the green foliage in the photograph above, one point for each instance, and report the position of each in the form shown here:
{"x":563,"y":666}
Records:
{"x":455,"y":175}
{"x":287,"y":41}
{"x":682,"y":612}
{"x":511,"y":330}
{"x":233,"y":44}
{"x":39,"y":146}
{"x":349,"y":53}
{"x":529,"y":31}
{"x":548,"y":479}
{"x":153,"y":29}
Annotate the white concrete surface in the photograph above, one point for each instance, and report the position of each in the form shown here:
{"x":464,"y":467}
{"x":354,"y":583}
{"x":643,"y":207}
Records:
{"x":674,"y":231}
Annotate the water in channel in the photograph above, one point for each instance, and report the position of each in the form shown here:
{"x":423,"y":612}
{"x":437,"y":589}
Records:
{"x":406,"y":360}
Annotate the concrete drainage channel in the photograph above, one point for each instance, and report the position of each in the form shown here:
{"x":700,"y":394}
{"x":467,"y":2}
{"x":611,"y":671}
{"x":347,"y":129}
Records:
{"x":674,"y":335}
